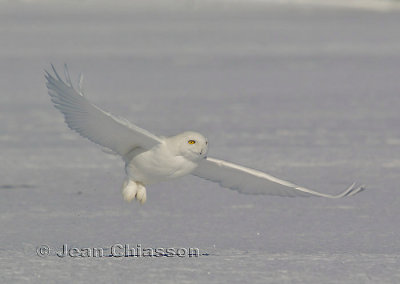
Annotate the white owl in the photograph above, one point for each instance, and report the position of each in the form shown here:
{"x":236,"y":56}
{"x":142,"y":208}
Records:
{"x":150,"y":159}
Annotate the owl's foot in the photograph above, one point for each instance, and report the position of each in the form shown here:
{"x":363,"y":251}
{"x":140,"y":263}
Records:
{"x":141,"y":195}
{"x":132,"y":189}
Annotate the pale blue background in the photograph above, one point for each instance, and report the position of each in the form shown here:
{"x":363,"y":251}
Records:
{"x":306,"y":93}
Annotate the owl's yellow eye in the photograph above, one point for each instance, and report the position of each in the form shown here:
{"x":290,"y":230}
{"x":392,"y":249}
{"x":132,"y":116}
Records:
{"x":191,"y":141}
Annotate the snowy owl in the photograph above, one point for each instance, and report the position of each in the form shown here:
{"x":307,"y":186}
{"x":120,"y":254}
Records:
{"x":150,"y":159}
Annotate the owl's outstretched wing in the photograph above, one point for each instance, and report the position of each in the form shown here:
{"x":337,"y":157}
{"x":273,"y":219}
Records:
{"x":250,"y":181}
{"x":91,"y":122}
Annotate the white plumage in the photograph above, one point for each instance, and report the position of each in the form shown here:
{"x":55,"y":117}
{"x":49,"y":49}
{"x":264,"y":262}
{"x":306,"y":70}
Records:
{"x":150,"y":158}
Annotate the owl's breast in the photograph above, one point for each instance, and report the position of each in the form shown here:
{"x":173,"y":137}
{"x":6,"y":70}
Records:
{"x":158,"y":164}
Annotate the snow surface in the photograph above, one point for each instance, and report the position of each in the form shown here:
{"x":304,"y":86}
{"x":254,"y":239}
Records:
{"x":305,"y":93}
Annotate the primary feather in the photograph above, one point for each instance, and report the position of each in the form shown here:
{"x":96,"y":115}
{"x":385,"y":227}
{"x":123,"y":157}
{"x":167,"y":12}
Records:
{"x":251,"y":181}
{"x":91,"y":122}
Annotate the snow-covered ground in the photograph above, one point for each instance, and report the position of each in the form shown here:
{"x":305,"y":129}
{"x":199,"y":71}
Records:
{"x":306,"y":93}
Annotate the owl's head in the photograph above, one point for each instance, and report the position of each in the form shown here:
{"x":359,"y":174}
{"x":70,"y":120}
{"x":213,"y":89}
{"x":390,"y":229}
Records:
{"x":191,"y":145}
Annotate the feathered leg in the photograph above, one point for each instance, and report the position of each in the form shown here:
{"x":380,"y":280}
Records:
{"x":132,"y":189}
{"x":141,"y":195}
{"x":129,"y":190}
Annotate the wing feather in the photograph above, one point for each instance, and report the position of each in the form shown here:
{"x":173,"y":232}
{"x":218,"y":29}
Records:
{"x":91,"y":122}
{"x":250,"y":181}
